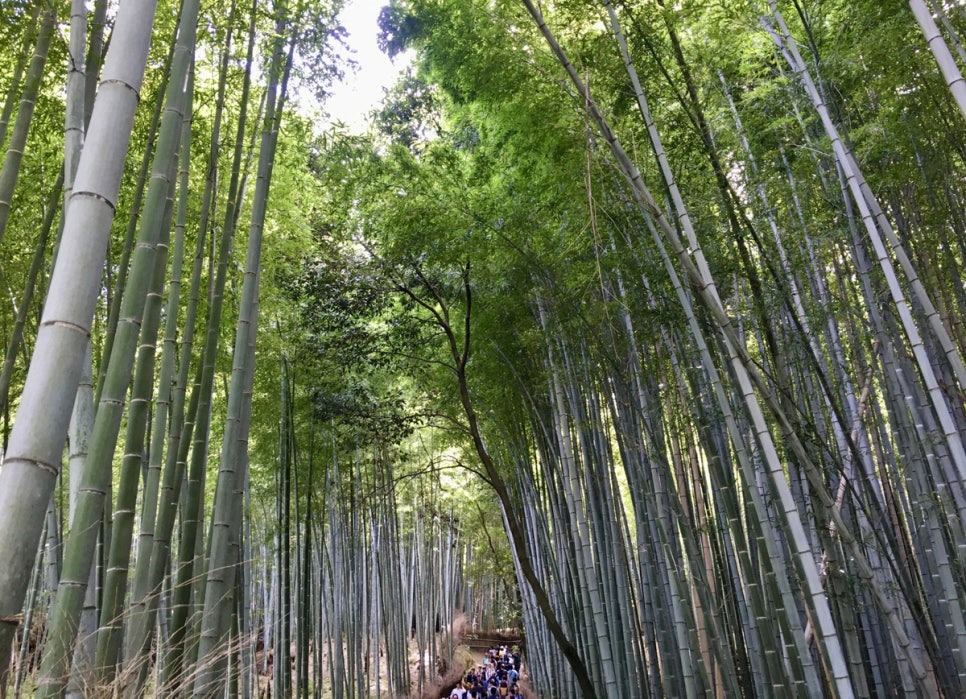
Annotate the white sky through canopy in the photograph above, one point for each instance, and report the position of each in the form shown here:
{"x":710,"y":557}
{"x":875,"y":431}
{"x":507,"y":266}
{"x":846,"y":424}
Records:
{"x":363,"y":88}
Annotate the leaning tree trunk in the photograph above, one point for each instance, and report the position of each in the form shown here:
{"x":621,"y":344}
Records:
{"x":152,"y":566}
{"x":30,"y":37}
{"x":749,"y":378}
{"x":146,"y":271}
{"x":158,"y":211}
{"x":221,"y":570}
{"x":16,"y":341}
{"x":873,"y":220}
{"x":117,"y":286}
{"x":942,"y":54}
{"x":38,"y":436}
{"x":168,"y":394}
{"x":82,"y":418}
{"x":196,"y":432}
{"x":458,"y":347}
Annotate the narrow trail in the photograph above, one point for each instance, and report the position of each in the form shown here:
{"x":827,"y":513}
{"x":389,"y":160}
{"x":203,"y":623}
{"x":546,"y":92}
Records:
{"x":497,"y":674}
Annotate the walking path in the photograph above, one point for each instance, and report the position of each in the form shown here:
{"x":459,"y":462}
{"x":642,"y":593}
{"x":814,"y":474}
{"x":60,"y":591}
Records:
{"x":496,"y":677}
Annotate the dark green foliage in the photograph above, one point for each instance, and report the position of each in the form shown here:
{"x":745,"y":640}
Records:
{"x":322,"y":51}
{"x":373,"y":419}
{"x":398,"y":26}
{"x":410,"y":113}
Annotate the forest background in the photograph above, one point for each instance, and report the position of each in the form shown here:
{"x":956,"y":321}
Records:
{"x":635,"y":326}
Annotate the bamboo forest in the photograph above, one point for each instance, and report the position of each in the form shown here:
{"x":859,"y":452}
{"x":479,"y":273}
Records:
{"x":620,"y":352}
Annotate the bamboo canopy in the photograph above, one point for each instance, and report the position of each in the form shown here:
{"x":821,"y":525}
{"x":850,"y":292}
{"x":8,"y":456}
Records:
{"x":630,"y":334}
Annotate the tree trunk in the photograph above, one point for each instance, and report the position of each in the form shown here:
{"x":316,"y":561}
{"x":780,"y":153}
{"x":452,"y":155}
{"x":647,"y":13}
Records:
{"x":39,"y":434}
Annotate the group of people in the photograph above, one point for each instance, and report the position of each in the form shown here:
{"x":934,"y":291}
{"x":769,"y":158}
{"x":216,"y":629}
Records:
{"x":496,"y":678}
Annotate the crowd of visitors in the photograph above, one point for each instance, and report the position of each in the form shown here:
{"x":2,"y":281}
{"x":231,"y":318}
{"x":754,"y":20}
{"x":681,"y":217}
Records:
{"x":495,"y":678}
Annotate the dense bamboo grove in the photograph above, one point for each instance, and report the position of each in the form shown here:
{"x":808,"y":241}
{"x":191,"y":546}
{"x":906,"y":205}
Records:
{"x":637,"y":326}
